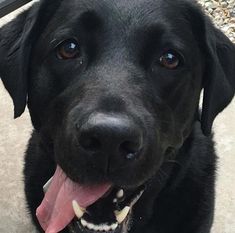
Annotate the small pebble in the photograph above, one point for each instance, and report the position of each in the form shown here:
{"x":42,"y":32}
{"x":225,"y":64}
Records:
{"x":222,"y":13}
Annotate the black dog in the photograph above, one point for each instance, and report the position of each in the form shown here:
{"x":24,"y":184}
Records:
{"x":113,"y":89}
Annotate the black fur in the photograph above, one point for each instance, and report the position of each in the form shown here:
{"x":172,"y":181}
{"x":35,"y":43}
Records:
{"x":118,"y":73}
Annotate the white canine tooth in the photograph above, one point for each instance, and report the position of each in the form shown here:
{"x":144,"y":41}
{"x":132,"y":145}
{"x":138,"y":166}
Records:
{"x":84,"y":222}
{"x":114,"y":226}
{"x":121,"y":215}
{"x":46,"y":186}
{"x":115,"y":200}
{"x":79,"y":212}
{"x":120,"y":194}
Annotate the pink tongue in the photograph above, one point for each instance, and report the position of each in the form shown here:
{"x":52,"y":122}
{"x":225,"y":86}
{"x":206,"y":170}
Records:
{"x":55,"y":211}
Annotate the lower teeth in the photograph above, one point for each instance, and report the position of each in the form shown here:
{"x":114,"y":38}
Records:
{"x":121,"y":216}
{"x":101,"y":227}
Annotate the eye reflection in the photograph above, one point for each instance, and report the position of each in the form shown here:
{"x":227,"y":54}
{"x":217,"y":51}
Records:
{"x":68,"y":49}
{"x":170,"y":60}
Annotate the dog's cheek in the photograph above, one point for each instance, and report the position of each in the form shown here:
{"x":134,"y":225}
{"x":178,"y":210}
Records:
{"x":185,"y":108}
{"x":42,"y":91}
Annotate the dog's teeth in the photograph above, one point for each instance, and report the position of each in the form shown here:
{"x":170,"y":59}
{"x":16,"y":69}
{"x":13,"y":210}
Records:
{"x":115,"y":200}
{"x":96,"y":228}
{"x":120,"y":194}
{"x":121,"y":215}
{"x":114,"y":226}
{"x":84,"y":222}
{"x":90,"y":226}
{"x":101,"y":228}
{"x":79,"y":212}
{"x":46,"y":186}
{"x":106,"y":228}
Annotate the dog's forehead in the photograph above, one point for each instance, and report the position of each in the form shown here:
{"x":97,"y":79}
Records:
{"x":126,"y":12}
{"x":120,"y":22}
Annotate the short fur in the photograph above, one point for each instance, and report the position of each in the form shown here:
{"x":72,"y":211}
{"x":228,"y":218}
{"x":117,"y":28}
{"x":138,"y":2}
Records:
{"x":118,"y":73}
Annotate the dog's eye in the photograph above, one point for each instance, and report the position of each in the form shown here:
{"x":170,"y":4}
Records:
{"x":68,"y":49}
{"x":170,"y":60}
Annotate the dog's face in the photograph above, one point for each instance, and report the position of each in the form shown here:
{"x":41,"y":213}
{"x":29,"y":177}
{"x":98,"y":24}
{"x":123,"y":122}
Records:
{"x":119,"y":84}
{"x":115,"y":86}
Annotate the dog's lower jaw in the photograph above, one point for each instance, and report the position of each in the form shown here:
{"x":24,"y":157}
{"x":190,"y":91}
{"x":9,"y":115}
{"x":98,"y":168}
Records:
{"x":77,"y":227}
{"x":123,"y":224}
{"x":123,"y":218}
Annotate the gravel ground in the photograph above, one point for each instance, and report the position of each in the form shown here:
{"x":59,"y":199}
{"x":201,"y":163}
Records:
{"x":223,"y":14}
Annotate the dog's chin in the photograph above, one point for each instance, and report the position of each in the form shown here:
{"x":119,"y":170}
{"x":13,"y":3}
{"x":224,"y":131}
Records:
{"x":110,"y":214}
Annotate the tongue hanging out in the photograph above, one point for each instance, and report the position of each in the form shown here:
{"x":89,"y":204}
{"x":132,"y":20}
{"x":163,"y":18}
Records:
{"x":56,"y":211}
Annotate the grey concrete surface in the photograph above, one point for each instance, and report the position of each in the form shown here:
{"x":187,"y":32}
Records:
{"x":13,"y":139}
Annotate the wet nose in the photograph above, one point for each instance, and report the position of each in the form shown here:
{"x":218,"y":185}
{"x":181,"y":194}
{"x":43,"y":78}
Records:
{"x":110,"y":134}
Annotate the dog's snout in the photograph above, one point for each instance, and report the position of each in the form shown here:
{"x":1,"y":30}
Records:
{"x":111,"y":135}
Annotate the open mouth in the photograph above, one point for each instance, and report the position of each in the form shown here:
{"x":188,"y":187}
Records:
{"x":111,"y":213}
{"x":102,"y":208}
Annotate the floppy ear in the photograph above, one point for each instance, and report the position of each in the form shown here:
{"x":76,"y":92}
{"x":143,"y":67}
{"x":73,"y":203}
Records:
{"x":17,"y":40}
{"x":219,"y":77}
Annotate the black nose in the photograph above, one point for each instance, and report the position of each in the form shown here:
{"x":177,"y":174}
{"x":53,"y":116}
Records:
{"x":111,"y":135}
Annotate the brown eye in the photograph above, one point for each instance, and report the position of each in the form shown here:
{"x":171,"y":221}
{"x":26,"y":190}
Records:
{"x":68,"y":49}
{"x":171,"y":60}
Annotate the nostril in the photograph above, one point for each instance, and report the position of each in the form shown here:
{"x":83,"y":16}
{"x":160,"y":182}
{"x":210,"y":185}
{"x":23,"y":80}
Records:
{"x":90,"y":143}
{"x":111,"y":136}
{"x":130,"y":149}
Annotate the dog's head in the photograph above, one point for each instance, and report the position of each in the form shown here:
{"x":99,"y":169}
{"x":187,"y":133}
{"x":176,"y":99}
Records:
{"x":114,"y":86}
